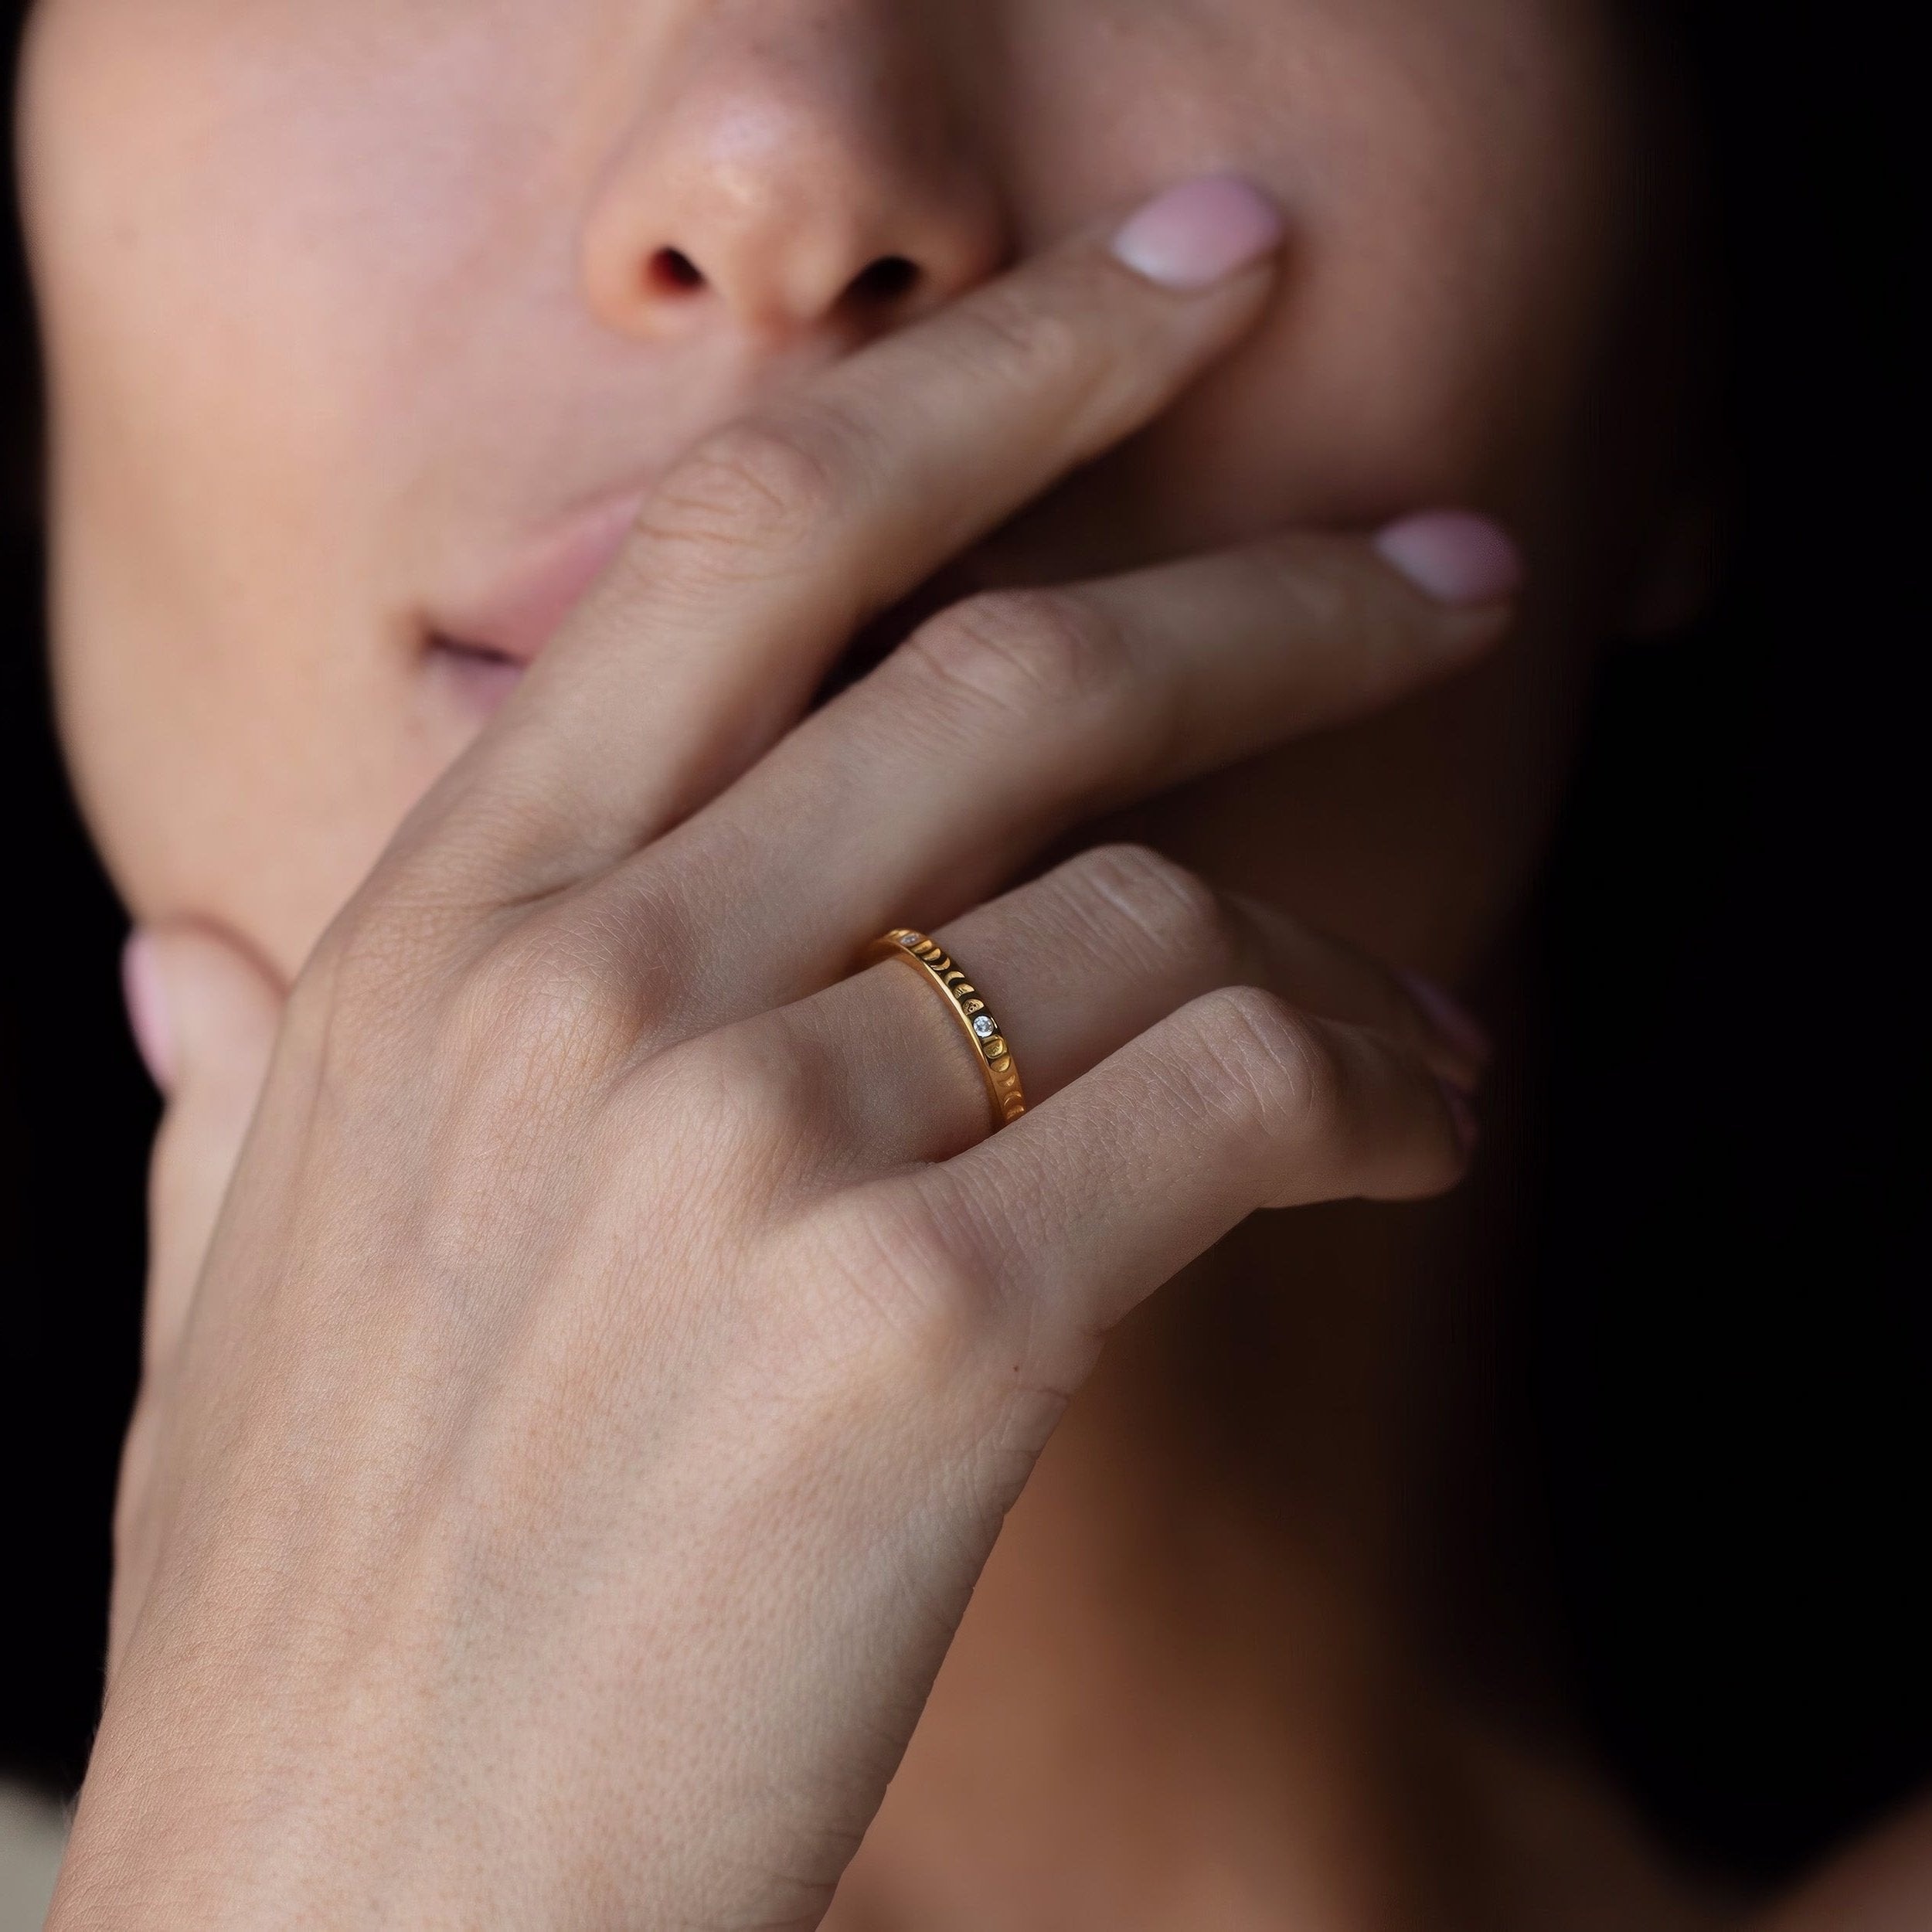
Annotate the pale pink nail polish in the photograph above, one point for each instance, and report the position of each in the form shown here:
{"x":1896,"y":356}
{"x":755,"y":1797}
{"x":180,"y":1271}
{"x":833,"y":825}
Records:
{"x":1200,"y":233}
{"x":1453,"y":556}
{"x":148,"y":1018}
{"x":1459,"y":1028}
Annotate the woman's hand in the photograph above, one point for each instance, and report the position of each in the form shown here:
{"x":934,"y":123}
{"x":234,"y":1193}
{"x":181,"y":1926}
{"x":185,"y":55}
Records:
{"x":620,"y":1341}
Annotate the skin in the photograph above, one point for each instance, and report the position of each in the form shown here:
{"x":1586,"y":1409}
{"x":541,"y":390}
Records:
{"x":730,"y":1341}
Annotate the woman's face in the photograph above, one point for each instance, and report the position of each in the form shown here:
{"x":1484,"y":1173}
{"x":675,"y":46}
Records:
{"x":368,"y":320}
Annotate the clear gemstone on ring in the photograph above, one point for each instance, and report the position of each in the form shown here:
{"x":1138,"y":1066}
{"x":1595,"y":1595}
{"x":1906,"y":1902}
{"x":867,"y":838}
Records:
{"x":984,"y":1025}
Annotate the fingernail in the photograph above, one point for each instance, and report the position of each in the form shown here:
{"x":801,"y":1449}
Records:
{"x":1453,"y":556}
{"x":1460,"y":1029}
{"x":1467,"y":1131}
{"x":148,"y":1015}
{"x":1200,"y":233}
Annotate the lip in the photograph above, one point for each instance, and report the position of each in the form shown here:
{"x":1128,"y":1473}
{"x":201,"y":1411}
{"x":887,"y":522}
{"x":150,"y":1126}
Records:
{"x":517,"y":613}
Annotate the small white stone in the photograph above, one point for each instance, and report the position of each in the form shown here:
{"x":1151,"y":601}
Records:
{"x":984,"y":1025}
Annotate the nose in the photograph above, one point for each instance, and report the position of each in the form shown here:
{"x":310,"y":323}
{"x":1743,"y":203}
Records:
{"x":800,"y":167}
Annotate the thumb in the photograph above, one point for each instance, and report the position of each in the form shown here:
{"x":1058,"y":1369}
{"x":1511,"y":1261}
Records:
{"x":204,"y":1010}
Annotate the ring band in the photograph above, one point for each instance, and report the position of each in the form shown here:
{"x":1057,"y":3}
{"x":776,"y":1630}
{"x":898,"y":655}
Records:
{"x":995,"y":1056}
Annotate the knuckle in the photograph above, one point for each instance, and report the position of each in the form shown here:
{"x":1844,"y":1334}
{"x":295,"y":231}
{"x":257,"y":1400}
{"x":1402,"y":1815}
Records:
{"x":367,"y":949}
{"x":893,"y":1274}
{"x":1019,"y":652}
{"x":1169,"y":913}
{"x":534,"y":999}
{"x":382,"y":954}
{"x":1275,"y":1068}
{"x":757,"y":486}
{"x":507,"y":1024}
{"x":746,"y":1105}
{"x":634,"y":931}
{"x":360,"y":985}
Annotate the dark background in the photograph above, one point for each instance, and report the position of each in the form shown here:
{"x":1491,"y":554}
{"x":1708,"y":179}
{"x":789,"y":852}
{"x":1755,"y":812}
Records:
{"x":1726,"y":1338}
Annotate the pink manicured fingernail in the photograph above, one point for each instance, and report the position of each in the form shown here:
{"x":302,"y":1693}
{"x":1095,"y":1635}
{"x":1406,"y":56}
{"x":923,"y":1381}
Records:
{"x":1200,"y":233}
{"x":1453,"y":556}
{"x":1445,"y":1013}
{"x":1467,"y":1131}
{"x":148,"y":1015}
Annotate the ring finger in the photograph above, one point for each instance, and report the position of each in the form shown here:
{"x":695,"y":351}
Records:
{"x":1072,"y":966}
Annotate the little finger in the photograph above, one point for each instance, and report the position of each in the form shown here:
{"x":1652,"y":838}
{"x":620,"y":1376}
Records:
{"x":1237,"y":1102}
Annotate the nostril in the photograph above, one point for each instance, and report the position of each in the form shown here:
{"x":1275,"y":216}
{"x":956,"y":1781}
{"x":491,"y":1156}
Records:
{"x":672,"y":272}
{"x":885,"y":280}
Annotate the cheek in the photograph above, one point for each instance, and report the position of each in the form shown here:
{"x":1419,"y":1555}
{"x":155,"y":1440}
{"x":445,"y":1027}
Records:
{"x":1454,"y":176}
{"x":260,"y":230}
{"x":251,"y":266}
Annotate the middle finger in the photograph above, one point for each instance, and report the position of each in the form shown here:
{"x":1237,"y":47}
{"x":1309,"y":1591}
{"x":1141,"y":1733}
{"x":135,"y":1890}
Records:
{"x":1015,"y":715}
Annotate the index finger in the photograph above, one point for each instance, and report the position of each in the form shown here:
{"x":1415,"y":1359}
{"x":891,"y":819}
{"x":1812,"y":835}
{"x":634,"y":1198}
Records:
{"x":768,"y":545}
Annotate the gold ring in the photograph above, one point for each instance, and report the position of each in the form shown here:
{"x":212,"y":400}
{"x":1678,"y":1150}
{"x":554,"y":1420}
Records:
{"x":990,"y":1048}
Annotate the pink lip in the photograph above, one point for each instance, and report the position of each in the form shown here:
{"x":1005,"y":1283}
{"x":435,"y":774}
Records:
{"x":520,"y":612}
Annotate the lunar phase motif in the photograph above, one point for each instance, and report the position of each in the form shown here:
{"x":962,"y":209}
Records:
{"x":1003,"y":1087}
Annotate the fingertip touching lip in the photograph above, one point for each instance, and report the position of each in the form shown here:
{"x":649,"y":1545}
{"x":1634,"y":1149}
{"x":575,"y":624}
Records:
{"x":522,"y":608}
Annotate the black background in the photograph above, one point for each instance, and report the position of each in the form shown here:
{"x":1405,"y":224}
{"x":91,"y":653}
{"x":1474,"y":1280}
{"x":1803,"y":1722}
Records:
{"x":1726,"y":1346}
